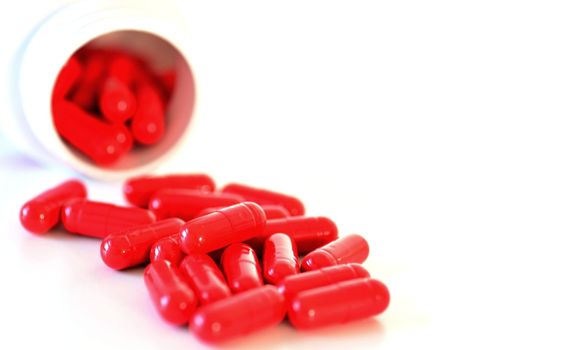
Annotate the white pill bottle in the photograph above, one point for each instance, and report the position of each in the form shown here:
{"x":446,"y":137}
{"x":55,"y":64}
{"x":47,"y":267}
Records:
{"x":40,"y":36}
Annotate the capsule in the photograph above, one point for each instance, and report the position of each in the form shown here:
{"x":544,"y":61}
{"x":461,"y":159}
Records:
{"x":271,"y":211}
{"x":138,"y":190}
{"x":167,"y":248}
{"x":233,"y":224}
{"x":239,"y":315}
{"x":172,"y":297}
{"x":293,"y":285}
{"x":205,"y":278}
{"x":308,"y":233}
{"x":279,"y":258}
{"x":338,"y":303}
{"x":186,"y":204}
{"x":148,"y":122}
{"x":241,"y":268}
{"x":67,"y":78}
{"x":131,"y":247}
{"x":168,"y":81}
{"x":116,"y":100}
{"x":86,"y":91}
{"x":103,"y":143}
{"x":348,"y":249}
{"x":42,"y":213}
{"x":96,"y":219}
{"x":261,"y":196}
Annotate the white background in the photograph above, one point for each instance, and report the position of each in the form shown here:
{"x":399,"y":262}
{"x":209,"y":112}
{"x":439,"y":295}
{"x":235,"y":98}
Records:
{"x":434,"y":128}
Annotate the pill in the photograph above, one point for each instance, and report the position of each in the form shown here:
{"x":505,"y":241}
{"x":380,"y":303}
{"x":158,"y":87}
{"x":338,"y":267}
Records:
{"x":116,"y":100}
{"x":97,"y":219}
{"x":186,"y":204}
{"x":167,"y":248}
{"x":241,"y":268}
{"x":292,"y":285}
{"x":271,"y":211}
{"x":338,"y":303}
{"x":42,"y":213}
{"x":239,"y":315}
{"x":123,"y":67}
{"x":308,"y":233}
{"x":103,"y":143}
{"x":131,"y":247}
{"x":168,"y":79}
{"x":171,"y":296}
{"x":68,"y":77}
{"x":148,"y":122}
{"x":279,"y":258}
{"x":205,"y":278}
{"x":232,"y":224}
{"x":138,"y":190}
{"x":261,"y":196}
{"x":347,"y":249}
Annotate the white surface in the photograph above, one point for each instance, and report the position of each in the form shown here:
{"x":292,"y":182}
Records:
{"x":436,"y":129}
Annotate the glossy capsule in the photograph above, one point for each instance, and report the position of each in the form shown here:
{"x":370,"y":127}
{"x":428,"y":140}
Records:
{"x":205,"y":278}
{"x":96,"y":219}
{"x":138,"y":190}
{"x":232,"y":224}
{"x":347,"y":249}
{"x":67,"y":78}
{"x":172,"y":297}
{"x":241,"y":268}
{"x":338,"y":303}
{"x":167,"y":248}
{"x":239,"y":315}
{"x":131,"y":247}
{"x":308,"y":233}
{"x":279,"y":258}
{"x":42,"y":213}
{"x":271,"y":211}
{"x":186,"y":204}
{"x":292,"y":285}
{"x":148,"y":122}
{"x":261,"y":196}
{"x":101,"y":142}
{"x":116,"y":101}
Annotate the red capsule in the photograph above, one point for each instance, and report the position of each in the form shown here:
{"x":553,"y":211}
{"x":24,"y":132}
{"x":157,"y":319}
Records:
{"x":42,"y":213}
{"x":261,"y":196}
{"x":279,"y":258}
{"x":138,"y":190}
{"x":233,"y":224}
{"x":271,"y":211}
{"x":171,"y":296}
{"x":348,"y":249}
{"x":148,"y":123}
{"x":241,"y":268}
{"x":67,"y":78}
{"x":186,"y":204}
{"x":338,"y":303}
{"x":86,"y":91}
{"x":239,"y":315}
{"x":96,"y":219}
{"x":168,"y":80}
{"x":167,"y":248}
{"x":308,"y":233}
{"x":131,"y":247}
{"x":123,"y":67}
{"x":205,"y":278}
{"x":103,"y":143}
{"x":116,"y":100}
{"x":293,"y":285}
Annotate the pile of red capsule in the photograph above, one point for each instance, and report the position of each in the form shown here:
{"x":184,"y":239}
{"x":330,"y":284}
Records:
{"x":227,"y":261}
{"x":104,"y":101}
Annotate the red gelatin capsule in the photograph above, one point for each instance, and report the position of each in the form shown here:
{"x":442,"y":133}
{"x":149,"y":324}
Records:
{"x":131,"y":247}
{"x":138,"y":190}
{"x":261,"y":196}
{"x":167,"y":248}
{"x":348,"y":249}
{"x":116,"y":101}
{"x":338,"y":303}
{"x":279,"y":258}
{"x":205,"y":278}
{"x":171,"y":296}
{"x":67,"y":78}
{"x":239,"y":315}
{"x":271,"y":211}
{"x":103,"y":143}
{"x":233,"y":224}
{"x":96,"y":219}
{"x":148,"y":123}
{"x":186,"y":204}
{"x":42,"y":213}
{"x":86,"y":90}
{"x":241,"y":268}
{"x":308,"y":233}
{"x":293,"y":285}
